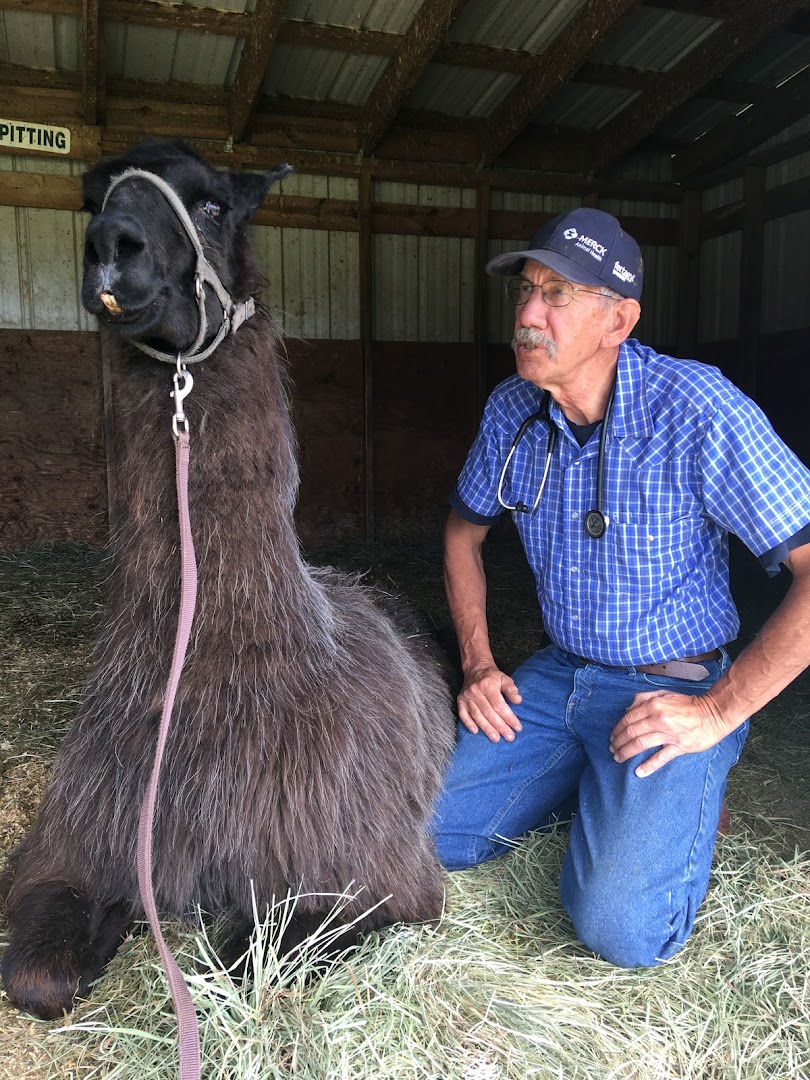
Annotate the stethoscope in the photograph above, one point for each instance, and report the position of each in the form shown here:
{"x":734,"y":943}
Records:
{"x":596,"y":522}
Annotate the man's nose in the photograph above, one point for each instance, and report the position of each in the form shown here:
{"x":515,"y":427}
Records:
{"x":535,"y":311}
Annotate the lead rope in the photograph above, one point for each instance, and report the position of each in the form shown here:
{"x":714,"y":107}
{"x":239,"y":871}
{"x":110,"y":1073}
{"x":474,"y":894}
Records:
{"x":188,"y":1028}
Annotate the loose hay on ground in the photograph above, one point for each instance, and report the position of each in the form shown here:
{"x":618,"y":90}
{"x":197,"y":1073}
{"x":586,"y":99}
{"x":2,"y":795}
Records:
{"x":499,"y":989}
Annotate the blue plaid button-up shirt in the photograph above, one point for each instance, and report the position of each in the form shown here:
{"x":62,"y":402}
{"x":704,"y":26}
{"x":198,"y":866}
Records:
{"x":688,"y":459}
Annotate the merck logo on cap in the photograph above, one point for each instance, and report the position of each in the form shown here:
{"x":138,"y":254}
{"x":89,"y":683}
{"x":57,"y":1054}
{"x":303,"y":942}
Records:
{"x":587,"y":244}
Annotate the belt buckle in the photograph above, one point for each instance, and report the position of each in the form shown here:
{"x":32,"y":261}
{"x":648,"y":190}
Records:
{"x":679,"y":669}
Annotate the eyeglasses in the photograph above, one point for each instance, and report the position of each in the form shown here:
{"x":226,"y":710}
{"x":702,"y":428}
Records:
{"x":556,"y":293}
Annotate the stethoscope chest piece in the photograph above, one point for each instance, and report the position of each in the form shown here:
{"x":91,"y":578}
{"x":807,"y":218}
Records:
{"x":595,"y":524}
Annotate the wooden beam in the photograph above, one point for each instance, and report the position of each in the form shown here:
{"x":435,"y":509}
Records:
{"x":264,"y":24}
{"x":653,"y":82}
{"x":752,"y":273}
{"x":159,"y":15}
{"x":484,"y":57}
{"x":341,"y":38}
{"x":365,"y":254}
{"x":41,"y":79}
{"x":91,"y":61}
{"x":480,"y":293}
{"x":713,"y":9}
{"x":625,"y":77}
{"x":425,"y":34}
{"x":51,"y":192}
{"x":551,"y":69}
{"x":738,"y":134}
{"x":748,"y":23}
{"x":40,"y":190}
{"x":688,"y":274}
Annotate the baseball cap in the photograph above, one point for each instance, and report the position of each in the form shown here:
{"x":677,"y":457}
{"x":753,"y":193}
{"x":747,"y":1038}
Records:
{"x":588,"y":247}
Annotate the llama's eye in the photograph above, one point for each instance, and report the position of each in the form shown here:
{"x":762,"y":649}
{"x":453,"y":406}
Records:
{"x":212,"y":208}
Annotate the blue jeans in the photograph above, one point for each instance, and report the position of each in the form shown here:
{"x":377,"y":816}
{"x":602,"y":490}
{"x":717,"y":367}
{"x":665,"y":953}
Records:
{"x":640,"y":850}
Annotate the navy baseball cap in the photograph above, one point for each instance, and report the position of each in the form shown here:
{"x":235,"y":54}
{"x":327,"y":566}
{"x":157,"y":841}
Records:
{"x":588,"y":247}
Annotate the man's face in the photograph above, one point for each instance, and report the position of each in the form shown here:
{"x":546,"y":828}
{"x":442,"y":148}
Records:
{"x":566,"y":338}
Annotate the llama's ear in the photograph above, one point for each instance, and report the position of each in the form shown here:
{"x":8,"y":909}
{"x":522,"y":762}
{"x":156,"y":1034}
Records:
{"x":250,"y":188}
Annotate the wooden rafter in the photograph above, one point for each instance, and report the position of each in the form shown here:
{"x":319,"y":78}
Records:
{"x":91,"y":61}
{"x":425,"y":34}
{"x":738,"y":134}
{"x":342,"y":38}
{"x":549,"y":71}
{"x":750,"y":21}
{"x":259,"y":42}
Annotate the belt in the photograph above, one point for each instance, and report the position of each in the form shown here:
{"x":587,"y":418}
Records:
{"x":688,"y":667}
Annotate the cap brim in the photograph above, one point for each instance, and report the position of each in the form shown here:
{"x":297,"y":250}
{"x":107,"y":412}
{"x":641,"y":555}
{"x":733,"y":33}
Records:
{"x":511,"y":262}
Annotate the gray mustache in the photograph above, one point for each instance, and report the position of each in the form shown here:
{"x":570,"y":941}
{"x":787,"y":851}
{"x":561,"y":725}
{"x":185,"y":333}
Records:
{"x":529,"y":335}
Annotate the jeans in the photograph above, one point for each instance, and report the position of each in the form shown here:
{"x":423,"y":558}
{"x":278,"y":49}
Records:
{"x":640,"y":850}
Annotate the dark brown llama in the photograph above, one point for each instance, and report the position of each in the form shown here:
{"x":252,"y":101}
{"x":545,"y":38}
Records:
{"x":311,"y":725}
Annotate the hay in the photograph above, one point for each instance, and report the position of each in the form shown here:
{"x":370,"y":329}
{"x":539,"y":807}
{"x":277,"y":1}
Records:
{"x":500,"y":988}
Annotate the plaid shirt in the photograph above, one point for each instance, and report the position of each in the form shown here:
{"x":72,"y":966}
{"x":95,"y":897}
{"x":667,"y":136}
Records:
{"x":688,"y":459}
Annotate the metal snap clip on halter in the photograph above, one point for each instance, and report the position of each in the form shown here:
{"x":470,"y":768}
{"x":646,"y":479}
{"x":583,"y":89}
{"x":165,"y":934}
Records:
{"x":180,"y":393}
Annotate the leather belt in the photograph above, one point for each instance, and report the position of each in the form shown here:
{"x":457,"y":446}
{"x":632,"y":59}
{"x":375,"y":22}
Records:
{"x":688,"y":667}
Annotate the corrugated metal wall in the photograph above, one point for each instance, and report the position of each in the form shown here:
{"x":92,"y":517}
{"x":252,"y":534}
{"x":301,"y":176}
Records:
{"x":312,"y":275}
{"x":41,"y":258}
{"x":423,"y":285}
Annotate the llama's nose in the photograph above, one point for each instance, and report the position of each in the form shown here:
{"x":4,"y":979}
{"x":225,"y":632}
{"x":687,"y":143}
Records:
{"x":112,"y":241}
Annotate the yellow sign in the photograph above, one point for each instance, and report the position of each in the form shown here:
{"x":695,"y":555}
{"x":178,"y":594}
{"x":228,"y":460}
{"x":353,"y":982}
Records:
{"x":23,"y":136}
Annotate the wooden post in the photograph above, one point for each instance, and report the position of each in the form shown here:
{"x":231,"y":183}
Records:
{"x":480,"y":301}
{"x":688,"y":274}
{"x":751,"y":275}
{"x":366,"y":330}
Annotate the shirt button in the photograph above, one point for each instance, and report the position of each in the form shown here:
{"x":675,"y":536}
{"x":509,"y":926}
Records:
{"x":575,"y":515}
{"x":575,"y":618}
{"x":574,"y":569}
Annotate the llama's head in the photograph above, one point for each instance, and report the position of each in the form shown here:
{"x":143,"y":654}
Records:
{"x":139,"y":259}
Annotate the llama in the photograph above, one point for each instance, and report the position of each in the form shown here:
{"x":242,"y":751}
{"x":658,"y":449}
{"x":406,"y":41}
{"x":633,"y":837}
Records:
{"x":312,"y":722}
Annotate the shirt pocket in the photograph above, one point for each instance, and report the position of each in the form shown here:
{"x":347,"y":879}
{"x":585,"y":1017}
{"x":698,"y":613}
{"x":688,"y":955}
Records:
{"x":649,"y":553}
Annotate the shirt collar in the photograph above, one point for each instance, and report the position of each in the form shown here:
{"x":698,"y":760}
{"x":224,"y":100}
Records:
{"x":631,"y":413}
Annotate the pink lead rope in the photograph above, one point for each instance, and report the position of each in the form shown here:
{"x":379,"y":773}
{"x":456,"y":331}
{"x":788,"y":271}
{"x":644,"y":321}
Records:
{"x":188,"y":1028}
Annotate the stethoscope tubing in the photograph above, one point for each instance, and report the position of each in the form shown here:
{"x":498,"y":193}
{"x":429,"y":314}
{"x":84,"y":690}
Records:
{"x":596,"y":521}
{"x":541,"y":414}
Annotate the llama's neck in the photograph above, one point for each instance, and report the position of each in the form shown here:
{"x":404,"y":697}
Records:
{"x":243,"y":482}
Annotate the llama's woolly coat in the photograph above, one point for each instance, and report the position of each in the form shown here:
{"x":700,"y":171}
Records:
{"x":310,"y":730}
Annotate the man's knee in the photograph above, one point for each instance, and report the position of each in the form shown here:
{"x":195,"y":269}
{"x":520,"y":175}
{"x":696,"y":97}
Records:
{"x":622,"y":928}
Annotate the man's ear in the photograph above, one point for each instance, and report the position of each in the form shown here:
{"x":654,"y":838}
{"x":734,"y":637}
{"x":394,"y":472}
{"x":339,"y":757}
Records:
{"x":624,"y":316}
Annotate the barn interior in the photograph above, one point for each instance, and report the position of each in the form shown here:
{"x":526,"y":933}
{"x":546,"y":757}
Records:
{"x":427,"y":136}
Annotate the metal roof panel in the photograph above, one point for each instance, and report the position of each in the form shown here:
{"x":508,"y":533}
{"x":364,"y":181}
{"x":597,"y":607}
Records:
{"x":301,"y":71}
{"x":778,"y":57}
{"x":522,"y":25}
{"x":391,"y":16}
{"x":460,"y":91}
{"x":584,"y":106}
{"x":651,"y":39}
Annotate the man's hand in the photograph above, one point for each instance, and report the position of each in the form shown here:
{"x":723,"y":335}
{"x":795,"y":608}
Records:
{"x":482,"y":704}
{"x":678,"y":723}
